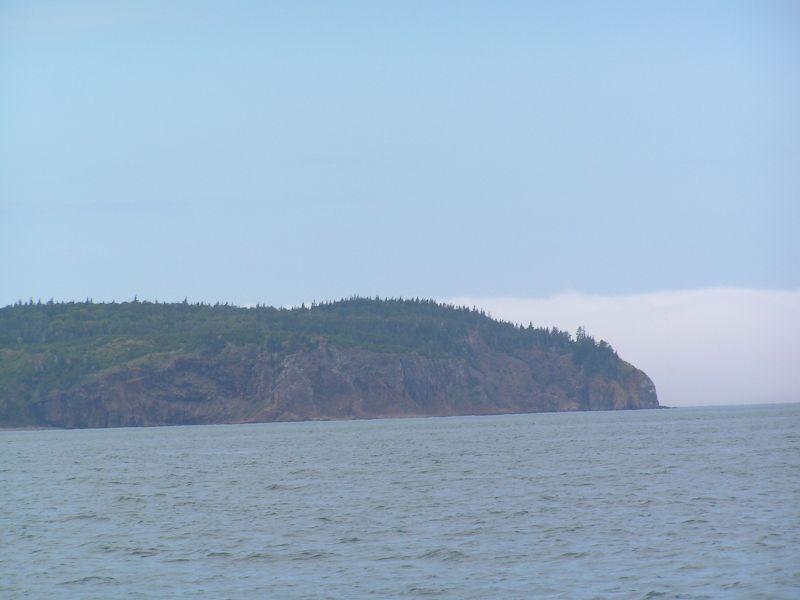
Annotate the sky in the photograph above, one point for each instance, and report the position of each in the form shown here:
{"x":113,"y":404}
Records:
{"x":561,"y":163}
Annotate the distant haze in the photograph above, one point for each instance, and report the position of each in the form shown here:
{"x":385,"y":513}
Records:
{"x":716,"y":346}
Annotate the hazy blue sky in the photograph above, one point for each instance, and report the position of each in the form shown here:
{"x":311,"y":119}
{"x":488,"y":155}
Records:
{"x":281,"y":152}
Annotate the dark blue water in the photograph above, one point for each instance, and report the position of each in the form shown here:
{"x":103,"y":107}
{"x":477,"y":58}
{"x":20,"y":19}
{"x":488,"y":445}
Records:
{"x":683,"y":503}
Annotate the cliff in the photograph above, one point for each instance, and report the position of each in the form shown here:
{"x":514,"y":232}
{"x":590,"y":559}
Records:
{"x":131,"y":364}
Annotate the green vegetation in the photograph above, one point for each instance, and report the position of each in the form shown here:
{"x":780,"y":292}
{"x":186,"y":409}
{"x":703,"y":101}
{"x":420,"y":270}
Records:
{"x":49,"y":345}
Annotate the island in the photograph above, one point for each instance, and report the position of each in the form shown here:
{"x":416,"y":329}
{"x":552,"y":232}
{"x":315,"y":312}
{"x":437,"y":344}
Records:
{"x":87,"y":364}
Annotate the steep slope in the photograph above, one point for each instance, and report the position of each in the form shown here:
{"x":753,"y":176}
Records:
{"x":107,"y":365}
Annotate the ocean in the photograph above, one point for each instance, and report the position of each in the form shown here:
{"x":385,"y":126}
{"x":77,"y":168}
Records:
{"x":682,"y":503}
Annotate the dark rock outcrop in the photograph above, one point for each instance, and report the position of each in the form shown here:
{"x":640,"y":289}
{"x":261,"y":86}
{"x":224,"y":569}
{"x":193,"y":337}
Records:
{"x":334,"y":383}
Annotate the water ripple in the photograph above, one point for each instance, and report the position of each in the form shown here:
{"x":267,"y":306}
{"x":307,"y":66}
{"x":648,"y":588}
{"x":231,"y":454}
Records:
{"x":684,"y":503}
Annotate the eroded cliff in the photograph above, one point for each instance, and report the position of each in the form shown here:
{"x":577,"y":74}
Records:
{"x":415,"y":359}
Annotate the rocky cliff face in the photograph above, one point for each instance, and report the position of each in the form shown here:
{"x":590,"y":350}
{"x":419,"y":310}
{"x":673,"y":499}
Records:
{"x":141,"y":363}
{"x":337,"y":383}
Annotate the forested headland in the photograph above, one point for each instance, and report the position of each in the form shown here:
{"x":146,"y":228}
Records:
{"x":80,"y":364}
